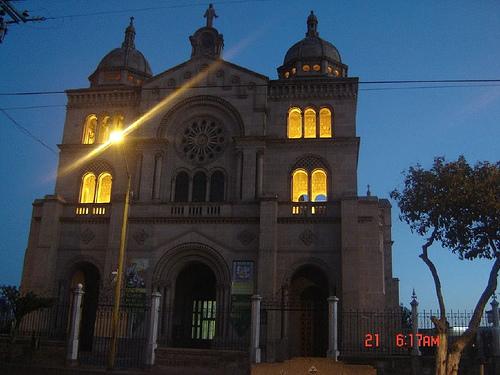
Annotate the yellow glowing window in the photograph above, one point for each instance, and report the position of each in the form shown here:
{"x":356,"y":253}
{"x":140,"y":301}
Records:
{"x":87,"y":190}
{"x":329,"y":69}
{"x":118,"y":122}
{"x":89,"y":130}
{"x":294,"y":123}
{"x":104,"y":188}
{"x":325,"y":123}
{"x":316,"y":68}
{"x":306,"y":68}
{"x":104,"y":129}
{"x":287,"y":74}
{"x":294,"y":70}
{"x":300,"y":186}
{"x":310,"y":123}
{"x":318,"y":185}
{"x":336,"y":72}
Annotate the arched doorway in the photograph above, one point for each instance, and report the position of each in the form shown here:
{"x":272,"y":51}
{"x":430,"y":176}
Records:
{"x":88,"y":275}
{"x":194,"y":313}
{"x":309,"y":312}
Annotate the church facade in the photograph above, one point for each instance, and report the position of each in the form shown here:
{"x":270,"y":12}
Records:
{"x":239,"y":185}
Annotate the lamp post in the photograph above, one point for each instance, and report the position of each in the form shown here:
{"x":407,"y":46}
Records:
{"x":116,"y":137}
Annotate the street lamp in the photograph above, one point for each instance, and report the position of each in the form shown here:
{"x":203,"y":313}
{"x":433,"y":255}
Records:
{"x":116,"y":137}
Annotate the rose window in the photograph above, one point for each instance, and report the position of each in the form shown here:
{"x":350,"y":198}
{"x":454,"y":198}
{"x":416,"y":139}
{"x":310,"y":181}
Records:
{"x":202,"y":141}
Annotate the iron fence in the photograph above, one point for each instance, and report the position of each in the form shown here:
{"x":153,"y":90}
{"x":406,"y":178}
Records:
{"x":131,"y":342}
{"x":50,"y":323}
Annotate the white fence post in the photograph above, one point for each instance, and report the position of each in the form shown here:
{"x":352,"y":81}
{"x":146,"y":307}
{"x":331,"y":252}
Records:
{"x":74,"y":332}
{"x":333,"y":348}
{"x":415,"y":351}
{"x":153,"y":329}
{"x":254,"y":337}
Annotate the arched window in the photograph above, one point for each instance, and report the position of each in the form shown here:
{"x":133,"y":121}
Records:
{"x":118,"y":122}
{"x":104,"y":129}
{"x":217,"y":185}
{"x":181,"y":187}
{"x":310,"y":123}
{"x":294,"y":123}
{"x":87,"y":189}
{"x":318,"y":185}
{"x":325,"y":123}
{"x":300,"y":189}
{"x":89,"y":130}
{"x":199,"y":187}
{"x":104,"y":188}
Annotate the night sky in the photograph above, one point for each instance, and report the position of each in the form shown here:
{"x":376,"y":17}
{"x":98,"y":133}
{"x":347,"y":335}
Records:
{"x":379,"y":41}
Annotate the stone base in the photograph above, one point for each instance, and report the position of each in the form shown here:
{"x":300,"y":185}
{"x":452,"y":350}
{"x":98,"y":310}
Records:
{"x":312,"y":366}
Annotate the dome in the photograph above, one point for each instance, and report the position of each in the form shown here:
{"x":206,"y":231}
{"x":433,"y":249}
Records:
{"x":124,"y":65}
{"x":310,"y":48}
{"x":125,"y":58}
{"x":312,"y":56}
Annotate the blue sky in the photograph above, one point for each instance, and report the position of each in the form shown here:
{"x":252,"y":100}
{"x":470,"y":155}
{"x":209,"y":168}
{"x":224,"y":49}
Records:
{"x":389,"y":40}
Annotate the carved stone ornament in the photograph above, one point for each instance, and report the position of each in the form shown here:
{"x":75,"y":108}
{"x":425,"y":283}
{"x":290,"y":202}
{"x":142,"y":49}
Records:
{"x":307,"y":237}
{"x":141,"y":236}
{"x":246,"y":237}
{"x":202,"y":140}
{"x":86,"y":236}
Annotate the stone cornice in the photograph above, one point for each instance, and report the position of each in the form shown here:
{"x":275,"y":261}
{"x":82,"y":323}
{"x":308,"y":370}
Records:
{"x":119,"y":97}
{"x":313,"y":88}
{"x":193,"y":220}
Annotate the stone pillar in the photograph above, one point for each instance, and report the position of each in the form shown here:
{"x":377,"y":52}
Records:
{"x":249,"y":177}
{"x":239,"y":160}
{"x":260,"y":173}
{"x":415,"y":351}
{"x":153,"y":329}
{"x":496,"y":327}
{"x":255,"y":333}
{"x":333,"y":343}
{"x":74,"y":331}
{"x":147,"y":177}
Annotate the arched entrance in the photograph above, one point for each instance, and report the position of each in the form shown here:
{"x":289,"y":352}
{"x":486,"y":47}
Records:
{"x":194,"y":313}
{"x":88,"y":275}
{"x":309,"y":312}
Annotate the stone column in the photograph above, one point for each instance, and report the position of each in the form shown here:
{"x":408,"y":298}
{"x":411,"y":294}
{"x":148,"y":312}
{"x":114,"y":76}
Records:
{"x":153,"y":329}
{"x":415,"y":351}
{"x":239,"y":160}
{"x":254,"y":335}
{"x":74,"y":332}
{"x":496,"y":326}
{"x":333,"y":344}
{"x":260,"y":173}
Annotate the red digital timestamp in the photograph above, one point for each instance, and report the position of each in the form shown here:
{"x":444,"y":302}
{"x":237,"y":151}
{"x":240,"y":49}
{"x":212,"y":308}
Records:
{"x":372,"y":340}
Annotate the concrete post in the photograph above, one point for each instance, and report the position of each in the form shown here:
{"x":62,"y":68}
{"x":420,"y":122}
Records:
{"x":153,"y":329}
{"x":415,"y":351}
{"x":74,"y":332}
{"x":496,"y":326}
{"x":254,"y":338}
{"x":333,"y":343}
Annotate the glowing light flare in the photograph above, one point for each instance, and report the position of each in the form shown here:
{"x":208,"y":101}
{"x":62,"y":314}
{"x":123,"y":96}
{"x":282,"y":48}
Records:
{"x":142,"y":119}
{"x":116,"y":136}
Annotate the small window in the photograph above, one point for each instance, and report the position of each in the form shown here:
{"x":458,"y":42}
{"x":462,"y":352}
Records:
{"x":217,"y":187}
{"x":89,"y":130}
{"x":287,"y":74}
{"x":310,"y":123}
{"x":87,"y":189}
{"x":104,"y":188}
{"x":199,"y":187}
{"x":325,"y":123}
{"x":294,"y":71}
{"x":329,"y":69}
{"x":300,"y":188}
{"x":316,"y":68}
{"x":104,"y":129}
{"x":294,"y":123}
{"x":306,"y":68}
{"x":181,"y":187}
{"x":318,"y":185}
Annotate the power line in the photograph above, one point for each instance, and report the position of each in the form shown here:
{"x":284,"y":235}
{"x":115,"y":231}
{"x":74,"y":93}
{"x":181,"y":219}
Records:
{"x":470,"y":83}
{"x":27,"y":132}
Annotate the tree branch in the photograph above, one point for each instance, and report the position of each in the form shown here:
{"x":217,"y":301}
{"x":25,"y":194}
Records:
{"x":435,"y":276}
{"x":478,"y":310}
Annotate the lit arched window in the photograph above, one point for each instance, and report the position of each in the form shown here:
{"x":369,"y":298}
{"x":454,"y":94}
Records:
{"x":325,"y":123}
{"x":181,"y":187}
{"x":217,"y":185}
{"x":310,"y":123}
{"x":87,"y":189}
{"x":104,"y":188}
{"x":294,"y":123}
{"x":89,"y":130}
{"x":118,"y":122}
{"x":199,"y":187}
{"x":318,"y":185}
{"x":300,"y":189}
{"x":104,"y":129}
